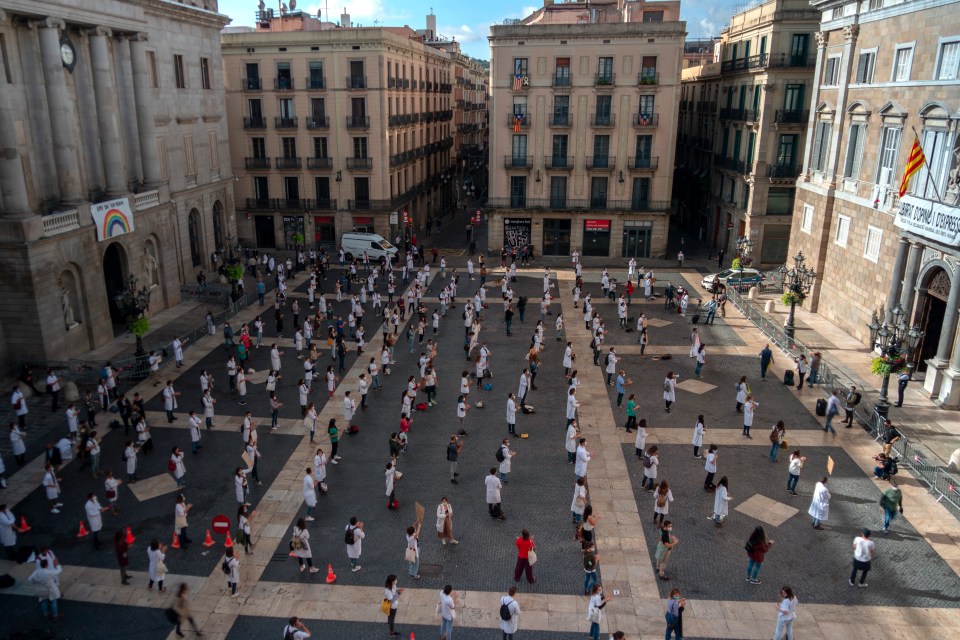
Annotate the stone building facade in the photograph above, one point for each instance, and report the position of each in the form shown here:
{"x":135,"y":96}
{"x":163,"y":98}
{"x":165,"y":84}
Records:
{"x":337,"y":128}
{"x":887,"y":74}
{"x":750,"y":110}
{"x":582,"y":127}
{"x":115,"y":164}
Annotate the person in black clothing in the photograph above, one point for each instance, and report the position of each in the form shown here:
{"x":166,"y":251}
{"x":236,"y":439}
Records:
{"x":720,"y":259}
{"x":124,"y":409}
{"x":278,"y":314}
{"x":508,"y":318}
{"x":521,"y":306}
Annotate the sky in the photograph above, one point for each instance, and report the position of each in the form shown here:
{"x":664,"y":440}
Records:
{"x":468,"y":22}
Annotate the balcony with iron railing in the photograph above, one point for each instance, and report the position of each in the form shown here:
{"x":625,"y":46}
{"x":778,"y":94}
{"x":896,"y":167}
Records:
{"x":561,"y":82}
{"x":391,"y":83}
{"x":604,"y":79}
{"x":601,"y":163}
{"x":732,"y":164}
{"x":285,"y":123}
{"x":737,"y":114}
{"x":524,"y":120}
{"x":358,"y":122}
{"x":738,"y":65}
{"x":648,"y":77}
{"x":792,"y":60}
{"x":283,"y":83}
{"x":644,"y":163}
{"x":592,"y":204}
{"x":646,"y":120}
{"x":288,"y":163}
{"x":368,"y":205}
{"x":315,"y":83}
{"x":320,"y":163}
{"x":252,"y":84}
{"x":321,"y":122}
{"x":256,"y":163}
{"x":356,"y":82}
{"x":561,"y":119}
{"x":261,"y":204}
{"x":323,"y":204}
{"x":518,"y":162}
{"x":564,"y":163}
{"x":783,"y":170}
{"x":254,"y":123}
{"x":360,"y":164}
{"x":602,"y":120}
{"x":791,"y":116}
{"x":291,"y":204}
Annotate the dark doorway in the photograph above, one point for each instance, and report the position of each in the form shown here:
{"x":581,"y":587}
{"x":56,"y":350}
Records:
{"x":266,"y":236}
{"x":933,"y":306}
{"x":556,"y":237}
{"x":636,"y":240}
{"x":115,"y":280}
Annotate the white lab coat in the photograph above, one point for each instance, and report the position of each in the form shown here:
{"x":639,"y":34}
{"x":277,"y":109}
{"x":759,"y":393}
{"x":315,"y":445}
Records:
{"x":583,"y":458}
{"x":493,"y":485}
{"x":309,"y":491}
{"x":698,"y":435}
{"x":820,"y":504}
{"x":92,"y":507}
{"x":670,"y":389}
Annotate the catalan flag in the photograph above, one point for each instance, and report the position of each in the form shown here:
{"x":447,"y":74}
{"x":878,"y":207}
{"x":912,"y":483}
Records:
{"x":914,"y":161}
{"x":517,"y":82}
{"x":517,"y":122}
{"x":517,"y":75}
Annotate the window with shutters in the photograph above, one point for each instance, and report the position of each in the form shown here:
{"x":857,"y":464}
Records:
{"x":855,"y":140}
{"x":902,"y":61}
{"x":843,"y":230}
{"x":871,"y":248}
{"x":889,"y":149}
{"x":831,"y":71}
{"x":558,"y":192}
{"x":948,"y":59}
{"x":938,"y":147}
{"x":561,"y":77}
{"x":866,"y":64}
{"x":821,"y":142}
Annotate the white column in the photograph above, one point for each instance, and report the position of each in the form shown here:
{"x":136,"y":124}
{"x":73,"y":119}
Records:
{"x":62,"y":113}
{"x":896,"y":282}
{"x":949,"y":396}
{"x":142,"y":91}
{"x":909,"y":292}
{"x":105,"y":91}
{"x":13,"y":186}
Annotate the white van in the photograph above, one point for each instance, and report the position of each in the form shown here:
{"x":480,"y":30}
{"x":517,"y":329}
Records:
{"x":354,"y":243}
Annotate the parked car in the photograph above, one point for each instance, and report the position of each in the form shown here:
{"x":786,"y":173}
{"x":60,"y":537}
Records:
{"x":354,"y":243}
{"x":734,"y":277}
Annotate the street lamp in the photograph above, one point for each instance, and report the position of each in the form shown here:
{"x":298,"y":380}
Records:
{"x":896,"y":343}
{"x":797,"y":281}
{"x":132,"y":302}
{"x":744,"y":246}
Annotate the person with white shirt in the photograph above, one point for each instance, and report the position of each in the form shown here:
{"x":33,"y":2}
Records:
{"x":194,"y":421}
{"x":568,"y":358}
{"x":295,"y":629}
{"x":509,"y":626}
{"x":130,"y":460}
{"x":349,"y":407}
{"x":572,"y":404}
{"x":511,"y":415}
{"x":354,"y":531}
{"x":73,"y":420}
{"x":863,"y":551}
{"x":448,"y":612}
{"x":698,"y":432}
{"x":51,"y":485}
{"x":309,"y":493}
{"x":176,"y":466}
{"x":786,"y":614}
{"x":208,"y":408}
{"x":582,"y":459}
{"x":493,"y":486}
{"x":94,"y":517}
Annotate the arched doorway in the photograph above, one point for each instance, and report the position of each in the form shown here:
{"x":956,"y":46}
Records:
{"x":932,"y":307}
{"x":196,"y":251}
{"x":218,"y":227}
{"x":115,"y":280}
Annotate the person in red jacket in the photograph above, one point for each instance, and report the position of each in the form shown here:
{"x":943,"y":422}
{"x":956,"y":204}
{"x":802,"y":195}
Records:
{"x":757,"y":546}
{"x":525,"y":546}
{"x":629,"y":290}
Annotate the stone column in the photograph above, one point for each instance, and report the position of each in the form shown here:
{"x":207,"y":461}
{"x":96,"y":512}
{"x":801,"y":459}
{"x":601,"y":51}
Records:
{"x":937,"y":364}
{"x":908,"y":294}
{"x":896,"y":282}
{"x":62,"y":112}
{"x":812,"y":122}
{"x":850,"y":33}
{"x":105,"y":91}
{"x":142,"y":91}
{"x":949,"y":396}
{"x":13,"y":186}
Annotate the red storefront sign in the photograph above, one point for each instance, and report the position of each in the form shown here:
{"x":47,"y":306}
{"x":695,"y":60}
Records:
{"x":597,"y":225}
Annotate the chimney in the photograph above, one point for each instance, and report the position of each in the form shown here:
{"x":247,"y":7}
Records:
{"x":431,"y":26}
{"x":547,"y":3}
{"x":344,"y":18}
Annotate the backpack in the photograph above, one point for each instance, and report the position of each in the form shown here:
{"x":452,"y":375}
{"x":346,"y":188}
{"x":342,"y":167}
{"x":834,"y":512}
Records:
{"x":289,"y":633}
{"x":775,"y":436}
{"x":661,"y":500}
{"x":225,"y":567}
{"x":348,"y":536}
{"x":748,"y":547}
{"x":666,"y":385}
{"x":647,"y":461}
{"x":499,"y":454}
{"x":505,"y":614}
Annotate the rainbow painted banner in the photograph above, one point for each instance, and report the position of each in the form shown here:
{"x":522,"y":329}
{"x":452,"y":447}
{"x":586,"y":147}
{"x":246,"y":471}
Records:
{"x":113,"y":218}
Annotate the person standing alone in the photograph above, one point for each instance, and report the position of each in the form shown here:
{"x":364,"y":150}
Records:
{"x":863,"y":550}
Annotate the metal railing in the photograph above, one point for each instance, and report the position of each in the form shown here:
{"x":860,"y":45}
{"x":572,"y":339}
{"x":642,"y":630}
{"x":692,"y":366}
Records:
{"x":912,"y":454}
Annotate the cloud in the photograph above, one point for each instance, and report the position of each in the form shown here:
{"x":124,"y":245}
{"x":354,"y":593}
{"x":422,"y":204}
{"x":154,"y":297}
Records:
{"x":463,"y":33}
{"x":708,"y":28}
{"x":362,"y":12}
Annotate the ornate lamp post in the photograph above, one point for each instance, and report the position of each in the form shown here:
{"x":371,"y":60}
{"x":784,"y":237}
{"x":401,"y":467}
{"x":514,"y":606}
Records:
{"x":744,"y":246}
{"x":132,"y":302}
{"x":797,"y":284}
{"x":897,"y":343}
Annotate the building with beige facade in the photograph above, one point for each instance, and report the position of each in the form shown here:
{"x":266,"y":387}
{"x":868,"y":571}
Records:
{"x":583,"y":125}
{"x":114,"y":164}
{"x":337,"y":128}
{"x":750,"y":110}
{"x":887,"y":74}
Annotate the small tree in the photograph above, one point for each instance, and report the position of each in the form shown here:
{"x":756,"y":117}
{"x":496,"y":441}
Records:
{"x":139,"y":327}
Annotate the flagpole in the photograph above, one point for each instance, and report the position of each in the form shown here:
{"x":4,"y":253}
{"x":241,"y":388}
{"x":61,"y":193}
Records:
{"x":929,"y":180}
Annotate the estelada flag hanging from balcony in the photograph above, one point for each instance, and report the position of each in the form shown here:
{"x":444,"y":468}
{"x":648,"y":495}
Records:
{"x":914,"y":161}
{"x":517,"y":122}
{"x":517,"y":75}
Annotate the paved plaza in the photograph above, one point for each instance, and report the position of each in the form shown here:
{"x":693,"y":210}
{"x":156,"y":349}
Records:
{"x":914,"y":587}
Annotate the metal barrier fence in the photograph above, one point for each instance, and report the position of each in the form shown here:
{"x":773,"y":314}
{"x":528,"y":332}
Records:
{"x":912,"y":454}
{"x":205,"y":295}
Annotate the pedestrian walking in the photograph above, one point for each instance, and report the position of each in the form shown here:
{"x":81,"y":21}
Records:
{"x":353,"y":538}
{"x":295,"y":630}
{"x":595,"y":610}
{"x":670,"y":389}
{"x":786,"y":614}
{"x":447,"y":608}
{"x":902,"y":381}
{"x":181,"y":607}
{"x":757,"y":546}
{"x":766,"y":359}
{"x":674,"y":615}
{"x":820,"y":503}
{"x":665,"y":546}
{"x":300,"y":546}
{"x":793,"y":471}
{"x":863,"y":551}
{"x":509,"y":614}
{"x":833,"y":409}
{"x":720,"y":499}
{"x":698,"y":430}
{"x":662,"y":499}
{"x":777,"y":440}
{"x":891,"y":503}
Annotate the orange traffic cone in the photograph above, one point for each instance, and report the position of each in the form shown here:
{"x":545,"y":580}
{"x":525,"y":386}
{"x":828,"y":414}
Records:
{"x":83,"y":531}
{"x":229,"y":541}
{"x":24,"y":527}
{"x":176,"y":541}
{"x":209,"y":541}
{"x":331,"y":576}
{"x":129,"y":539}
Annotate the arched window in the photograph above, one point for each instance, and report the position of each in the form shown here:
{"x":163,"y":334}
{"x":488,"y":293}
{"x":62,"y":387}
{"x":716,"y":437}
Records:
{"x":196,"y":253}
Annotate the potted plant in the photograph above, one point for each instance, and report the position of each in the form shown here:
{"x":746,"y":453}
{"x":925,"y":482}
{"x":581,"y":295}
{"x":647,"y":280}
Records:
{"x":792,"y":297}
{"x":885,"y":365}
{"x":139,"y":327}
